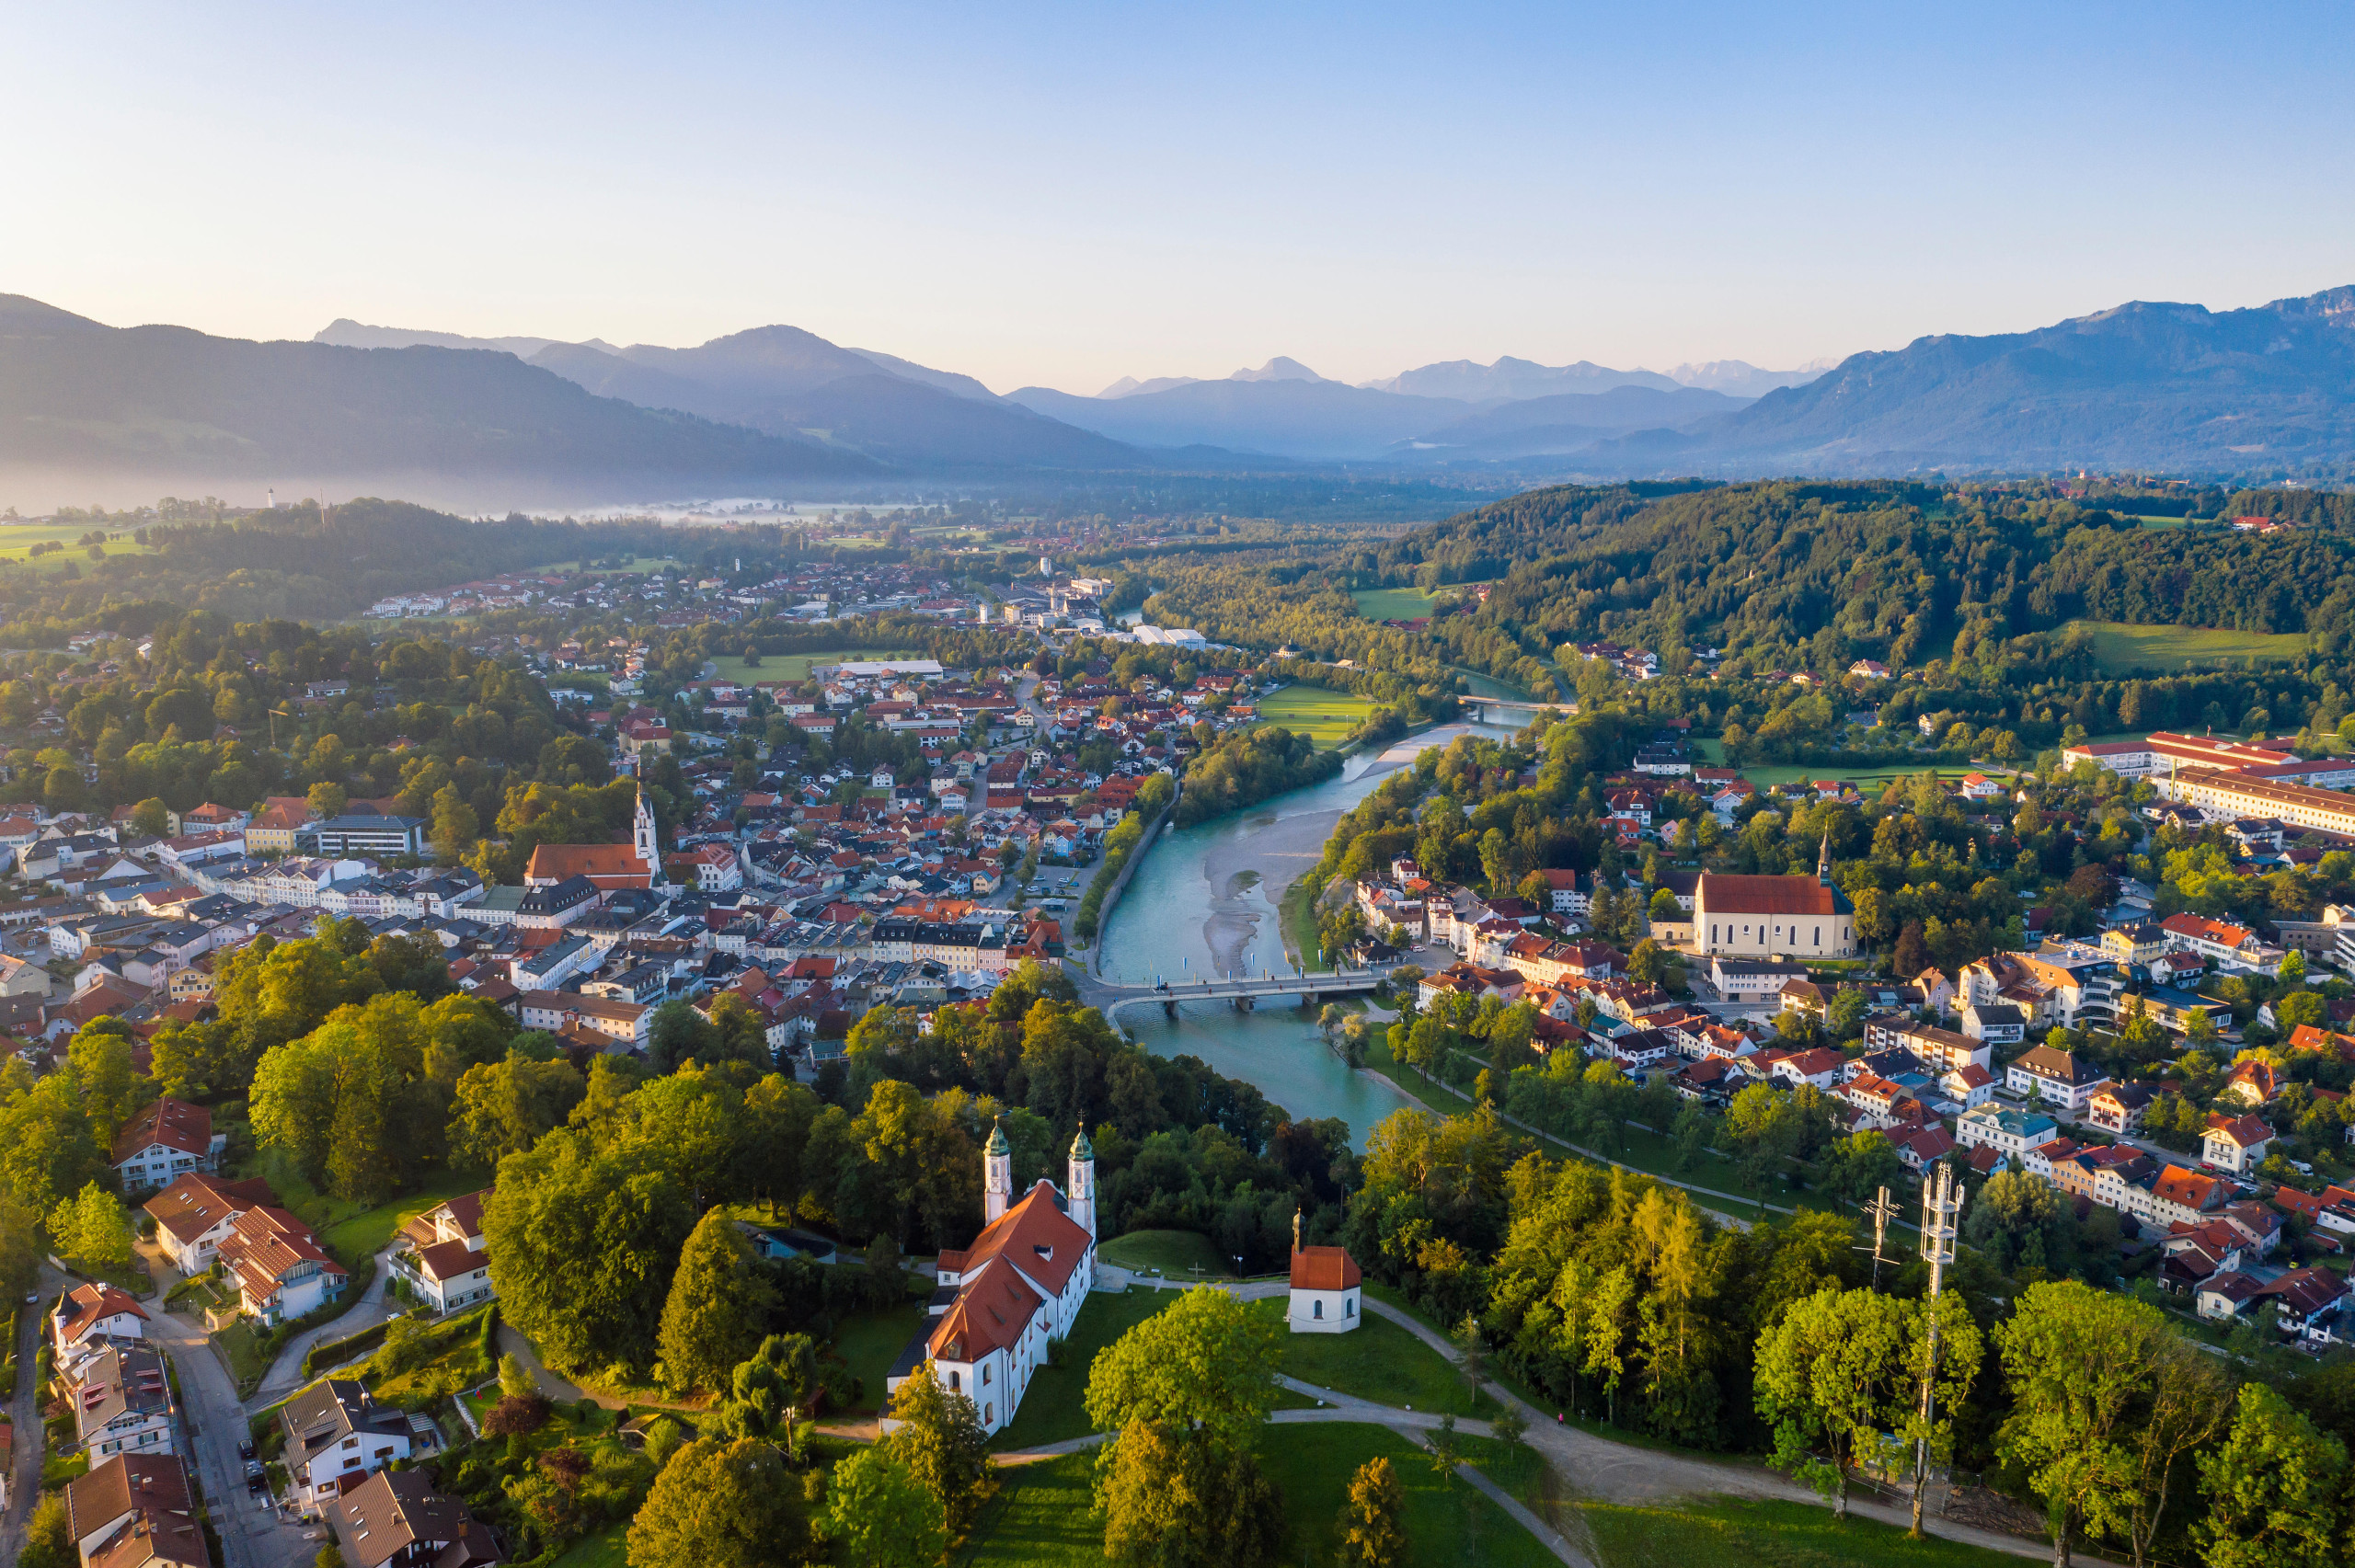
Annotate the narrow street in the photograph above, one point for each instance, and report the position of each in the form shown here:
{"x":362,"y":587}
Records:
{"x":24,"y":1470}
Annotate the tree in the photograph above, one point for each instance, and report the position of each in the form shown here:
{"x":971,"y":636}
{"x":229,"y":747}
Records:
{"x":504,"y":1107}
{"x":327,"y":800}
{"x":1206,"y":1361}
{"x":456,"y":826}
{"x":717,"y":1301}
{"x":93,"y":1230}
{"x":48,"y":1540}
{"x":766,"y":1392}
{"x":585,"y":1240}
{"x":881,"y":1514}
{"x":941,"y":1442}
{"x":1912,"y":954}
{"x":515,"y":1379}
{"x":2272,"y":1489}
{"x":1373,"y":1526}
{"x":721,"y":1506}
{"x":677,"y":1035}
{"x":2188,"y":1406}
{"x":1834,"y":1367}
{"x":151,"y":818}
{"x":2075,"y":1360}
{"x":517,"y":1415}
{"x":1175,"y":1498}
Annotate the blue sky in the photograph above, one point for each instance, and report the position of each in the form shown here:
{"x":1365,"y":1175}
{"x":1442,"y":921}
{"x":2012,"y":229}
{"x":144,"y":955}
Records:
{"x":1066,"y":194}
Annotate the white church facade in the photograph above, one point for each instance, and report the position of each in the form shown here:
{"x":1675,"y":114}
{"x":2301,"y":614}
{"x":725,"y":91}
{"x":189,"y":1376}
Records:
{"x":1018,"y":1288}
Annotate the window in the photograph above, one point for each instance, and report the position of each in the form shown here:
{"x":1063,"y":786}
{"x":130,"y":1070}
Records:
{"x":986,"y":1374}
{"x":1317,"y":1309}
{"x":989,"y":1414}
{"x":956,"y":1384}
{"x":1349,"y":1307}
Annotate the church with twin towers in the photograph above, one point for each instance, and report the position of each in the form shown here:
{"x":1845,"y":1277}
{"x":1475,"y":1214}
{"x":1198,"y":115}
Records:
{"x":1017,"y":1287}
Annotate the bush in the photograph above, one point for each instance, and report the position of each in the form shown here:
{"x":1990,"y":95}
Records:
{"x":514,"y":1417}
{"x":335,"y":1352}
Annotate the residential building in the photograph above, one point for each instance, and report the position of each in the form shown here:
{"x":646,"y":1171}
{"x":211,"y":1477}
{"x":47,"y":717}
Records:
{"x":167,"y":1140}
{"x":445,"y":1257}
{"x":2007,"y":1132}
{"x":2235,"y":1143}
{"x":363,"y":835}
{"x":121,"y":1401}
{"x":135,"y":1511}
{"x":194,"y":1215}
{"x":396,"y":1519}
{"x":627,"y":1024}
{"x":89,"y":1314}
{"x":2116,"y":1108}
{"x":2058,"y":1078}
{"x":336,"y":1433}
{"x":278,"y":1266}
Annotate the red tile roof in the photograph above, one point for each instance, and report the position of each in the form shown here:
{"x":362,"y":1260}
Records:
{"x":174,"y":1124}
{"x":1323,"y":1268}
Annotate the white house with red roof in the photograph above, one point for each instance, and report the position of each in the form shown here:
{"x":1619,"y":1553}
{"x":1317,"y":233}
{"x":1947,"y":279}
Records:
{"x":194,"y":1216}
{"x":1325,"y":1288}
{"x":279,"y":1268}
{"x":2235,"y":1143}
{"x":166,"y":1139}
{"x":1018,"y":1287}
{"x":89,"y":1312}
{"x":445,"y":1257}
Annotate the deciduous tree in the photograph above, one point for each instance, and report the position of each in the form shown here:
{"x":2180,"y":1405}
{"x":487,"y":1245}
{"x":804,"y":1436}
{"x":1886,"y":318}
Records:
{"x":2272,"y":1489}
{"x":881,"y":1516}
{"x":712,"y":1318}
{"x":721,"y":1506}
{"x":1372,"y":1525}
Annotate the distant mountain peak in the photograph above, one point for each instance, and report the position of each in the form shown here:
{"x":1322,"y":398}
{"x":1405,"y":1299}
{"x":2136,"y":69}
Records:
{"x":1130,"y":386}
{"x":1281,"y":368}
{"x":1743,"y":379}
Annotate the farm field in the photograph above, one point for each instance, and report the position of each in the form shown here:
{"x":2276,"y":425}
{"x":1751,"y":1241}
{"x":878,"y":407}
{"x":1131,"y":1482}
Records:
{"x":796,"y":666}
{"x":2122,"y":649}
{"x":17,"y":542}
{"x":1392,"y":603}
{"x":1328,"y":717}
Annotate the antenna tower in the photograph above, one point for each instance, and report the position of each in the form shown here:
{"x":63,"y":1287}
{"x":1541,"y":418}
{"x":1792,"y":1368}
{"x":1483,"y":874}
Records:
{"x":1883,"y":1209}
{"x":1941,"y":1206}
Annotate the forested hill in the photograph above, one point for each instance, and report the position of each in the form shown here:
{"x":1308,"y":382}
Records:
{"x":1812,"y":575}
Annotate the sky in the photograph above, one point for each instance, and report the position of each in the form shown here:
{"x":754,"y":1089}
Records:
{"x":1065,"y":194}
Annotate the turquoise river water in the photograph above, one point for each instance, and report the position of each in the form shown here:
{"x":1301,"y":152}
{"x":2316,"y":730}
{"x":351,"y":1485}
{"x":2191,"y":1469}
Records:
{"x":1204,"y":904}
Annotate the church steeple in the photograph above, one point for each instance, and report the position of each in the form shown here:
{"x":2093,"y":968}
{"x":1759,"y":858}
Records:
{"x":1823,"y":861}
{"x":642,"y":839}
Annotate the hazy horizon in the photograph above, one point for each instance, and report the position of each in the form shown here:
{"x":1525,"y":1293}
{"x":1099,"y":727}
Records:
{"x":1071,"y":195}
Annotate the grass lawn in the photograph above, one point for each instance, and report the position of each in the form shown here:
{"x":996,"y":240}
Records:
{"x":1731,"y":1533}
{"x":1054,"y":1407}
{"x":1392,"y":603}
{"x":1174,"y":1253}
{"x":1296,"y":923}
{"x":1328,"y":717}
{"x":1447,"y":1522}
{"x":457,"y":1362}
{"x":796,"y":666}
{"x":1378,"y":1361}
{"x":870,"y":1342}
{"x":350,"y":1231}
{"x":2122,"y":649}
{"x":607,"y":1548}
{"x":1040,"y":1514}
{"x":246,"y":1363}
{"x":18,"y":540}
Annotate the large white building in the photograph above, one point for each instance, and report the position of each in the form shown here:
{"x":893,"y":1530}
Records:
{"x":1797,"y":916}
{"x":1020,"y":1286}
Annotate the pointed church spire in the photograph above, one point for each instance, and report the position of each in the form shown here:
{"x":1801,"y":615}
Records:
{"x":1823,"y":861}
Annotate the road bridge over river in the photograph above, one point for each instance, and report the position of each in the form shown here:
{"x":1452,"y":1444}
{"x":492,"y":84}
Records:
{"x":1243,"y":992}
{"x":1510,"y":711}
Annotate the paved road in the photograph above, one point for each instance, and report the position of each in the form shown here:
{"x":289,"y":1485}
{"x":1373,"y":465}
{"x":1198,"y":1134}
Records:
{"x":23,"y":1480}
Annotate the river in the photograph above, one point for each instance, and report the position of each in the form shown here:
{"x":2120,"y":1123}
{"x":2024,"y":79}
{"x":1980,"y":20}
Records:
{"x":1204,"y":904}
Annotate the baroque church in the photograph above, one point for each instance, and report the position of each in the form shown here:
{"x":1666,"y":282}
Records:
{"x":1002,"y":1301}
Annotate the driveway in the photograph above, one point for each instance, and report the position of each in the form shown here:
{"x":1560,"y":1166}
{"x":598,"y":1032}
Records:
{"x":285,"y":1374}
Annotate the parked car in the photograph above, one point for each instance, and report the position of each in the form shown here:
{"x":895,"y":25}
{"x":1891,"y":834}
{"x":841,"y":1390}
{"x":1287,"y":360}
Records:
{"x":246,"y":1450}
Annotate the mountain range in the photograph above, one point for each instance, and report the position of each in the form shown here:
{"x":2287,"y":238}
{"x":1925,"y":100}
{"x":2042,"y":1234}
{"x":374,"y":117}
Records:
{"x":537,"y":420}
